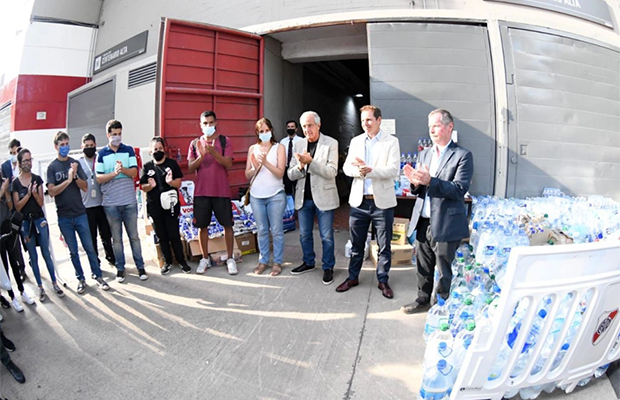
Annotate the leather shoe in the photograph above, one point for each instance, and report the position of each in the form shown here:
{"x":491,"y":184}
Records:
{"x":16,"y":372}
{"x":8,"y":345}
{"x":346,"y":285}
{"x":386,"y":290}
{"x":415,"y":307}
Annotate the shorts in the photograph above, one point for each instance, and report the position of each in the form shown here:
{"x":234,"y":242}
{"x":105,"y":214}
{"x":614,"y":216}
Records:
{"x":203,"y":206}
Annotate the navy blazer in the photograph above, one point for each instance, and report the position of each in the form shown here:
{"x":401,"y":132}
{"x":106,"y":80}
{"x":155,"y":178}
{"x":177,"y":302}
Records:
{"x":447,"y":191}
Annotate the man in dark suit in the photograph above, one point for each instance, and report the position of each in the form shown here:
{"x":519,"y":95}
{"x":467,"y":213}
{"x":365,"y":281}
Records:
{"x":9,"y":165}
{"x":441,"y":178}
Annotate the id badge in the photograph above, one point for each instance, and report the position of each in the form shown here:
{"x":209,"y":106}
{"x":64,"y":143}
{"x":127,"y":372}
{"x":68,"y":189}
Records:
{"x":93,"y":193}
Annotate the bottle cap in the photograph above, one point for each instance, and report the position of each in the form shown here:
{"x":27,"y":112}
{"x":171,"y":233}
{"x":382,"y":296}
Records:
{"x":444,"y":326}
{"x":441,"y":364}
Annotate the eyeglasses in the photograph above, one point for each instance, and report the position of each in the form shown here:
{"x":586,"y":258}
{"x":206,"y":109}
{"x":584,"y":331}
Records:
{"x":27,"y":161}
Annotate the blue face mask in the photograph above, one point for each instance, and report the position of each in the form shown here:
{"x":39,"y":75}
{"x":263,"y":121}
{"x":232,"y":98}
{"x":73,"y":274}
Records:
{"x":208,"y":130}
{"x":13,"y":158}
{"x":64,"y":150}
{"x":264,"y":137}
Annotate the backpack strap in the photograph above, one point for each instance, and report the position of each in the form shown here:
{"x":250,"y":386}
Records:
{"x":223,"y":143}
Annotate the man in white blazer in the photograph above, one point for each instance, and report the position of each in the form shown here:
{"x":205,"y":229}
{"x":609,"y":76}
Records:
{"x":373,"y":162}
{"x":314,"y":166}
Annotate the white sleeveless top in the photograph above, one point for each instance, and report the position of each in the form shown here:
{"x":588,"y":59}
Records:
{"x":267,"y":184}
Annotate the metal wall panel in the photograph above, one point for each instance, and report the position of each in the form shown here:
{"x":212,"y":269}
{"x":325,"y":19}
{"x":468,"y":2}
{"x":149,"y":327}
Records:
{"x":89,"y":111}
{"x":416,"y":68}
{"x":5,"y":128}
{"x":565,"y":125}
{"x":204,"y":67}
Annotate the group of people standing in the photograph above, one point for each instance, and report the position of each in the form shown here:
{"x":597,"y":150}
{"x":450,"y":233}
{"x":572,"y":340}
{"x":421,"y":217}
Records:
{"x":96,"y":194}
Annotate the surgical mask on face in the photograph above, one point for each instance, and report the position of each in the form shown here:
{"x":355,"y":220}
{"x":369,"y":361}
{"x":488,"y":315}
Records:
{"x":13,"y":158}
{"x":115,"y":140}
{"x":63,"y":151}
{"x":208,"y":130}
{"x":89,"y":151}
{"x":291,"y":132}
{"x":158,"y":155}
{"x":265,"y":136}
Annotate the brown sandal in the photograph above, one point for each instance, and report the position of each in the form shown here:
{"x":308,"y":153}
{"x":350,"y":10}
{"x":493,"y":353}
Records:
{"x":276,"y":270}
{"x":260,"y":269}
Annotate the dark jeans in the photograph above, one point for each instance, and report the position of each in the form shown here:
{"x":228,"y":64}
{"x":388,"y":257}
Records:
{"x":11,"y":248}
{"x":166,"y":228}
{"x":98,"y":221}
{"x":289,"y":185}
{"x":430,"y":253}
{"x":360,"y":219}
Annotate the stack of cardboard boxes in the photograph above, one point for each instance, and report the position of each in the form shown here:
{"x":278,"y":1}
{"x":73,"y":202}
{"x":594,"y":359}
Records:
{"x":402,"y":251}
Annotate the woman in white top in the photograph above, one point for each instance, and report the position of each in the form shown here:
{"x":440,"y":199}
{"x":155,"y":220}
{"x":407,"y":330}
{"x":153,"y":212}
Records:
{"x":268,"y":158}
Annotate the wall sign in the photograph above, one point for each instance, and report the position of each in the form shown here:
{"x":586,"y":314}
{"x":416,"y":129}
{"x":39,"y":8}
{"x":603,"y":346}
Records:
{"x":121,"y":52}
{"x":591,"y":10}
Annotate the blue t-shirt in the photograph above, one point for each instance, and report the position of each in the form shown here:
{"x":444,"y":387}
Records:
{"x":120,"y":191}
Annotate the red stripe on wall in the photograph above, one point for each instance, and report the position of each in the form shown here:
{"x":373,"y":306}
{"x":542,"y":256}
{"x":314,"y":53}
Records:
{"x":47,"y":93}
{"x":7,"y":92}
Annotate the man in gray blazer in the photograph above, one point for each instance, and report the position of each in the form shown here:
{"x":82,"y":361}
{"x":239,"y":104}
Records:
{"x":314,"y":166}
{"x":442,"y":177}
{"x":373,"y":163}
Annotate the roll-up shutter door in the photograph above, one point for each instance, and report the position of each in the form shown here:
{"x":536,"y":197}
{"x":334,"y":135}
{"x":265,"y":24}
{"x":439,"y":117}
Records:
{"x":565,"y":125}
{"x":5,"y":127}
{"x":416,"y":68}
{"x":89,"y":111}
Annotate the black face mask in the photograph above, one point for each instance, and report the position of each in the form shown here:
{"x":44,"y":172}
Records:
{"x":291,"y":132}
{"x":89,"y":151}
{"x":158,"y":155}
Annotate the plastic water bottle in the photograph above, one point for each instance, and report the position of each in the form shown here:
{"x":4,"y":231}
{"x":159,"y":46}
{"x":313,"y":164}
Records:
{"x":409,"y":159}
{"x":347,"y":249}
{"x":179,"y":158}
{"x":440,"y":335}
{"x":600,"y":371}
{"x":530,"y":342}
{"x":459,"y":323}
{"x":500,"y":361}
{"x":453,"y":304}
{"x":439,"y":351}
{"x":437,"y":382}
{"x":435,"y":315}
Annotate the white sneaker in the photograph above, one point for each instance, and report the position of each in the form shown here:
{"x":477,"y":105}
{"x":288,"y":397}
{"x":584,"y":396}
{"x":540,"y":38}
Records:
{"x":231,"y":264}
{"x":204,"y":265}
{"x":18,"y":307}
{"x":26,"y":298}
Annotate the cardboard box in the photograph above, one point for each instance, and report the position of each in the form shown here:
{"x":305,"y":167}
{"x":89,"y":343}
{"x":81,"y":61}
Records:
{"x":193,"y":250}
{"x":399,"y":231}
{"x":219,"y":258}
{"x":216,"y":245}
{"x":401,"y":254}
{"x":246,"y":243}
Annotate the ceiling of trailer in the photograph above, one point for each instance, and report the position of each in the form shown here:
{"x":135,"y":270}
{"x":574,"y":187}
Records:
{"x":333,"y":42}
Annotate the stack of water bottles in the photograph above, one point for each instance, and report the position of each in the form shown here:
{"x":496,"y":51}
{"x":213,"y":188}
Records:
{"x":498,"y":226}
{"x":401,"y":184}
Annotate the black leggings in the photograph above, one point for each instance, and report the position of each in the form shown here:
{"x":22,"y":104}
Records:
{"x":11,"y":247}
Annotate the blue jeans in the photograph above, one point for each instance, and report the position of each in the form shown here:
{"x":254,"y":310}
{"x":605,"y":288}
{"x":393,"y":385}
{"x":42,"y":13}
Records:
{"x":128,"y":216}
{"x":360,"y":219}
{"x":68,"y":228}
{"x":326,"y":230}
{"x":269,"y":213}
{"x":38,"y":232}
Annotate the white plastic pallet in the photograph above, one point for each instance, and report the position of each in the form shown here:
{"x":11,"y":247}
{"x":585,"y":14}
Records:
{"x":533,"y":273}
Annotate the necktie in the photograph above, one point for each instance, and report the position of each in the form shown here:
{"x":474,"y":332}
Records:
{"x":290,"y":152}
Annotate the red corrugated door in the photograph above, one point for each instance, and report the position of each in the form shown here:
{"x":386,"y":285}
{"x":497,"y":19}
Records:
{"x":205,"y":67}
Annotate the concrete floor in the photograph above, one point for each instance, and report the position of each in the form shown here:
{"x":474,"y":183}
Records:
{"x":221,"y":337}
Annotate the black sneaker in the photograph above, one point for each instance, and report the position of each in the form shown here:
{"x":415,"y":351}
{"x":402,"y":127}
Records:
{"x":58,"y":290}
{"x":302,"y":269}
{"x":8,"y":345}
{"x":81,"y":286}
{"x":120,"y":276}
{"x":328,"y":276}
{"x":186,"y":268}
{"x":142,"y":274}
{"x":165,"y":269}
{"x":4,"y":302}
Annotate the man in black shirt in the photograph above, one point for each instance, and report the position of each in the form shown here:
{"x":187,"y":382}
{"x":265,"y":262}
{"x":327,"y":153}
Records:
{"x":65,"y":179}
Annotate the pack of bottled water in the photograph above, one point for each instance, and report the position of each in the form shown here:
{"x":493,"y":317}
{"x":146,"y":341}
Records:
{"x":478,"y":270}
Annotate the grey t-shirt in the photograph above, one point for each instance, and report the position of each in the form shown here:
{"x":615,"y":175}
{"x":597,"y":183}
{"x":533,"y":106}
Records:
{"x":94,"y":188}
{"x":69,"y":202}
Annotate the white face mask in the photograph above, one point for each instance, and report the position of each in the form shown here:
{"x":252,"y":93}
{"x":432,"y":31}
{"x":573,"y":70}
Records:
{"x":208,"y":130}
